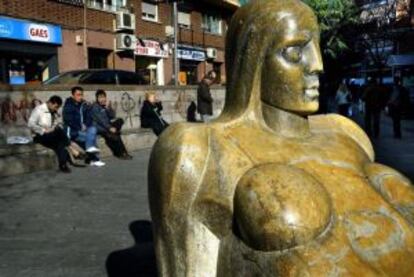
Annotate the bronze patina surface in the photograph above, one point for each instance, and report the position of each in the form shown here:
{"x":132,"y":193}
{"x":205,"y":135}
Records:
{"x":266,"y":189}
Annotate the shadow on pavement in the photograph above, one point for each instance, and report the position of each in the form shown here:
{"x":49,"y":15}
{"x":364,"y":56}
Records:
{"x":138,"y":260}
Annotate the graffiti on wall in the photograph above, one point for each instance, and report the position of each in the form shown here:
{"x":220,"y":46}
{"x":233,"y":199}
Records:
{"x":128,"y":107}
{"x":15,"y":112}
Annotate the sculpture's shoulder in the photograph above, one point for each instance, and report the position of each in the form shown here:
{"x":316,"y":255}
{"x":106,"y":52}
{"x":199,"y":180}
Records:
{"x":344,"y":125}
{"x":183,"y":134}
{"x":179,"y":146}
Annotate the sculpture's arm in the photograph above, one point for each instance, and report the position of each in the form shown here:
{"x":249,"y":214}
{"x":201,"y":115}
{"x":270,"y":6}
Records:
{"x":394,"y":187}
{"x":175,"y":173}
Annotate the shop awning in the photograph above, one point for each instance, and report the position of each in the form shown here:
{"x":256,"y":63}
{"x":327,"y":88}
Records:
{"x":400,"y":60}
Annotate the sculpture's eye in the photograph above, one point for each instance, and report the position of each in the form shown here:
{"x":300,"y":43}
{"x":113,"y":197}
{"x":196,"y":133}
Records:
{"x":292,"y":54}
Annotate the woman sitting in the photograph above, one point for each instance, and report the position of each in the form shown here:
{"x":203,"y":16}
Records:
{"x":151,"y":114}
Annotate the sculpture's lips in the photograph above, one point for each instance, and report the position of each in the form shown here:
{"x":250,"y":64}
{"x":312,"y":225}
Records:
{"x":312,"y":93}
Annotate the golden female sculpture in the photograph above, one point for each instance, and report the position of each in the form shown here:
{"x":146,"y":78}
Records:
{"x":266,"y":189}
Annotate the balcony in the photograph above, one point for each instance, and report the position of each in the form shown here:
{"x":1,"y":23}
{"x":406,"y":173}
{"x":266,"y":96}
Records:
{"x":106,"y":5}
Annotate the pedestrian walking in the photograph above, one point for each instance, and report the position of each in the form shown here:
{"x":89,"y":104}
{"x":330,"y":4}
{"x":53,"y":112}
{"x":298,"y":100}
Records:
{"x":398,"y":101}
{"x":151,"y":114}
{"x":372,"y":96}
{"x":204,"y":98}
{"x":44,"y":124}
{"x":343,"y":100}
{"x":78,"y":125}
{"x":108,"y":126}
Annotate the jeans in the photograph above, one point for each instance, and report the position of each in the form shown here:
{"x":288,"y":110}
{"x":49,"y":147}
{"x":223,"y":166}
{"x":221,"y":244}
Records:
{"x":88,"y":137}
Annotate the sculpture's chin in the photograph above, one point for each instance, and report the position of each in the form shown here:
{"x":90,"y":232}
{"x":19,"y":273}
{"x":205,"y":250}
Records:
{"x":307,"y":108}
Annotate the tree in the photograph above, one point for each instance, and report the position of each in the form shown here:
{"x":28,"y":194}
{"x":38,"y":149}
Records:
{"x":334,"y":16}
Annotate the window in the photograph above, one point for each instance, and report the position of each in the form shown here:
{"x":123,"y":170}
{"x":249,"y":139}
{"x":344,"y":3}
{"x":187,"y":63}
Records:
{"x":184,"y":20}
{"x":107,"y":5}
{"x":98,"y":58}
{"x":149,"y":11}
{"x":96,"y":4}
{"x":212,"y":24}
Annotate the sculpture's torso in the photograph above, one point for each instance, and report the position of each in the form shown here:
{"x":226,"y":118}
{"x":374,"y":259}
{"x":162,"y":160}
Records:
{"x":364,"y":234}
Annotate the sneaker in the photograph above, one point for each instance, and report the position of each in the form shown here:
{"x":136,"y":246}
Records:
{"x":93,"y":149}
{"x":97,"y":163}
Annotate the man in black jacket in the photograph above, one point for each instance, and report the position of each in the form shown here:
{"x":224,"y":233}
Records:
{"x":108,"y":126}
{"x":78,"y":125}
{"x":204,"y":98}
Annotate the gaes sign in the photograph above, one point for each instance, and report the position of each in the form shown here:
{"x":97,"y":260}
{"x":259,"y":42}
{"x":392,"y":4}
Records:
{"x":11,"y":28}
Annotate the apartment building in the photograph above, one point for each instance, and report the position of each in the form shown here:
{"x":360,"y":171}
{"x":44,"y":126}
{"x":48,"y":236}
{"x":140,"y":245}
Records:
{"x":41,"y":38}
{"x":390,"y":34}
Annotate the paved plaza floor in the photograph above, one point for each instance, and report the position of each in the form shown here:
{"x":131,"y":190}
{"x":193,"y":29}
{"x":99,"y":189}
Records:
{"x":55,"y":224}
{"x":65,"y":225}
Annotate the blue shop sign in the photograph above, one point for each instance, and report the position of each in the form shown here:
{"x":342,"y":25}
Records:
{"x":11,"y":28}
{"x":191,"y":54}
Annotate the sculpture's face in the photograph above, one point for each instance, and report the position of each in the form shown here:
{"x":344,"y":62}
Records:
{"x":290,"y":76}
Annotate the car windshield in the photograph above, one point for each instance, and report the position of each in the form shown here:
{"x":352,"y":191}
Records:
{"x":65,"y":78}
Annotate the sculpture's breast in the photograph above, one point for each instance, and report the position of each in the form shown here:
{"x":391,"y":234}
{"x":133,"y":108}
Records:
{"x":278,"y":207}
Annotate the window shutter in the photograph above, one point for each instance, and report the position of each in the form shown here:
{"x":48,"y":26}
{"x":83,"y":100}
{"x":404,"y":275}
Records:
{"x":184,"y":18}
{"x":149,"y":8}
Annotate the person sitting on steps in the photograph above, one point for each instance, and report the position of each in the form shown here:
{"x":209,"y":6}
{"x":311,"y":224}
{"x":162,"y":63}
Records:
{"x":43,"y":123}
{"x":151,"y":114}
{"x":78,"y":125}
{"x":108,"y":126}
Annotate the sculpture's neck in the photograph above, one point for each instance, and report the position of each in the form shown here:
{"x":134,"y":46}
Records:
{"x":285,"y":123}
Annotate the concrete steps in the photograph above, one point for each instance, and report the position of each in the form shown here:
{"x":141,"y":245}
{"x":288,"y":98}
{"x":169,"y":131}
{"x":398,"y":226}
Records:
{"x":19,"y":159}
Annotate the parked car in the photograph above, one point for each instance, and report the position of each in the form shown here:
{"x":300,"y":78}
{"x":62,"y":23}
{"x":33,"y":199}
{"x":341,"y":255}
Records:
{"x":97,"y":77}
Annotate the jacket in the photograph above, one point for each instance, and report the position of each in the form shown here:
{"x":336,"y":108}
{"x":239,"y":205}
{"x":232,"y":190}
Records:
{"x":151,"y":114}
{"x":101,"y":117}
{"x":204,"y":99}
{"x":41,"y":119}
{"x":75,"y":115}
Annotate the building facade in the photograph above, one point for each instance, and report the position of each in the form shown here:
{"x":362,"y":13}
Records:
{"x":41,"y":38}
{"x":387,"y":40}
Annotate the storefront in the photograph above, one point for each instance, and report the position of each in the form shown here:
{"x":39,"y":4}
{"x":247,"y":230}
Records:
{"x":190,"y":60}
{"x":149,"y":60}
{"x":28,"y":51}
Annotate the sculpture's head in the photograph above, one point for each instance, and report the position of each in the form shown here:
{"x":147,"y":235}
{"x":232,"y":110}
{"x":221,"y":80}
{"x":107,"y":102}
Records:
{"x":273,"y":57}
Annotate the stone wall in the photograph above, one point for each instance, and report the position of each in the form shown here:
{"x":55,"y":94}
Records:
{"x":16,"y":104}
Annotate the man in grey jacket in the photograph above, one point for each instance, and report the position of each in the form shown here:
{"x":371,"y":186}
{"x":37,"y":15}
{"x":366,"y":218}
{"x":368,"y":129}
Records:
{"x":108,"y":126}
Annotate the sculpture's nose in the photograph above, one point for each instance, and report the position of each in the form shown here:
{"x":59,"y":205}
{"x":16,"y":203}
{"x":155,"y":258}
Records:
{"x":315,"y":63}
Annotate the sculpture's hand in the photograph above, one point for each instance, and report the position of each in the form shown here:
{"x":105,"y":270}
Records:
{"x":394,"y":187}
